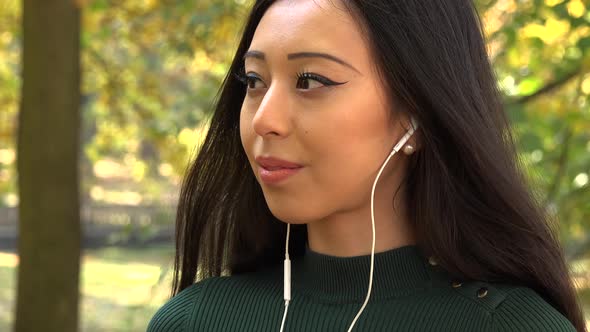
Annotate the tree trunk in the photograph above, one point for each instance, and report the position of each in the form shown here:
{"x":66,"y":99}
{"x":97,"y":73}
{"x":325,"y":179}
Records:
{"x":47,"y":163}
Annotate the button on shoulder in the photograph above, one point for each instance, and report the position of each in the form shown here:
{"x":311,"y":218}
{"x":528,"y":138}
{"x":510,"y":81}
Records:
{"x":483,"y":293}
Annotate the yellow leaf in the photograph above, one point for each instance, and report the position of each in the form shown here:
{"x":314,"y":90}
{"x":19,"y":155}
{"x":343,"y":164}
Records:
{"x":555,"y":29}
{"x":552,"y":3}
{"x":586,"y":85}
{"x":576,"y":8}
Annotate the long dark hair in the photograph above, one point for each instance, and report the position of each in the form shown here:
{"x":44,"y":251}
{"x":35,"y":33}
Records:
{"x":467,"y":197}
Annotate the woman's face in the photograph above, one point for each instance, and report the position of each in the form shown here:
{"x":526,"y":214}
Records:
{"x":341,"y":134}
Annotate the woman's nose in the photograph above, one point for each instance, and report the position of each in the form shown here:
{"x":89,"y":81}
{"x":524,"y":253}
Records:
{"x":272,"y":115}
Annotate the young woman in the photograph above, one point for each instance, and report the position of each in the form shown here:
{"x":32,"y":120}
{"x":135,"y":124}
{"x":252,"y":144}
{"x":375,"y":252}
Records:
{"x":365,"y":142}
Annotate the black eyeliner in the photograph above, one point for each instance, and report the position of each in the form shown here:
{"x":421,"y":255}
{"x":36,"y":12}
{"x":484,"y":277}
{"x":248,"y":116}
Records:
{"x":319,"y":78}
{"x":243,"y":78}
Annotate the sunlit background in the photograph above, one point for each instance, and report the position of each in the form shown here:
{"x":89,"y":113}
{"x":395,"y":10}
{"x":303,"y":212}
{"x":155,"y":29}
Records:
{"x":151,"y":69}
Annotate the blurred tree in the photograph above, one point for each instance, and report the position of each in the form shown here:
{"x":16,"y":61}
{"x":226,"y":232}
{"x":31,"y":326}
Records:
{"x":541,"y":53}
{"x":153,"y":68}
{"x":9,"y":86}
{"x":47,"y":162}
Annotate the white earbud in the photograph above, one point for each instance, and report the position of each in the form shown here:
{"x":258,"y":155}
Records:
{"x":405,"y":138}
{"x":287,"y":267}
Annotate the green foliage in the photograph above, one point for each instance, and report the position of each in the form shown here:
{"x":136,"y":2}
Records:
{"x":541,"y":53}
{"x":9,"y":90}
{"x":152,"y":70}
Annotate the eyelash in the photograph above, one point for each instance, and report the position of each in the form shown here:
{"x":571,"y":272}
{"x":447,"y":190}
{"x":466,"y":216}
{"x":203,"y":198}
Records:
{"x":242,"y":77}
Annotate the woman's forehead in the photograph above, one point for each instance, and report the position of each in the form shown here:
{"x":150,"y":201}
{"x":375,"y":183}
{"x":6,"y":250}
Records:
{"x":308,"y":25}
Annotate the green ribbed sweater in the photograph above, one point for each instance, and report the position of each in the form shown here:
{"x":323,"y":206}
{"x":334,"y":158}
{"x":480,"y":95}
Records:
{"x":409,"y":293}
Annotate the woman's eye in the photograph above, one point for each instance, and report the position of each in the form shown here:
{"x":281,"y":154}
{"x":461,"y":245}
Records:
{"x":309,"y":81}
{"x":305,"y":81}
{"x":308,"y":84}
{"x":251,"y":82}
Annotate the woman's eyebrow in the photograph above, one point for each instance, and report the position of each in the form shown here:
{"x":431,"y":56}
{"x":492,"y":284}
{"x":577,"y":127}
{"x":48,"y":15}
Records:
{"x":291,"y":56}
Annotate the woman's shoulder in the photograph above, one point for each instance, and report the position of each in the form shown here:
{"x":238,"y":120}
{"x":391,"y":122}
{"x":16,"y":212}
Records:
{"x":523,"y":309}
{"x":175,"y":313}
{"x":178,"y":312}
{"x":514,"y":307}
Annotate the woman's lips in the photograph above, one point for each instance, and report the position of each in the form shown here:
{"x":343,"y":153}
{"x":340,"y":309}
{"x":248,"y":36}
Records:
{"x":270,"y":162}
{"x":275,"y":175}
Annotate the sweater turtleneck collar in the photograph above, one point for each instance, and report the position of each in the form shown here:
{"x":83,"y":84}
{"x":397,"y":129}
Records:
{"x":396,"y":272}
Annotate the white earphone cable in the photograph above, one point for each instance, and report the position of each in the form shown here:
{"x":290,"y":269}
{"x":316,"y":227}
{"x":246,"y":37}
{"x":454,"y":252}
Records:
{"x":287,"y":278}
{"x":287,"y":267}
{"x":395,"y":149}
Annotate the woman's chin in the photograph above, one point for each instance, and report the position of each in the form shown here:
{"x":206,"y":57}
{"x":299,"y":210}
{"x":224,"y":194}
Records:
{"x":290,"y":216}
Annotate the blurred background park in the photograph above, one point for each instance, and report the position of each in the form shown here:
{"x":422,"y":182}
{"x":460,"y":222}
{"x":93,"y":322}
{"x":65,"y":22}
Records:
{"x":149,"y":72}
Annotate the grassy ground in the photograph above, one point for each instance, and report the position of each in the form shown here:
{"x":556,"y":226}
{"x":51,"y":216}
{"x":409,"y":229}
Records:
{"x":119,"y":284}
